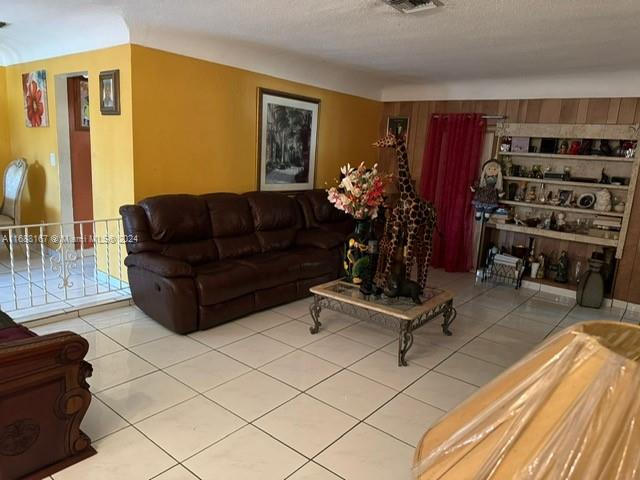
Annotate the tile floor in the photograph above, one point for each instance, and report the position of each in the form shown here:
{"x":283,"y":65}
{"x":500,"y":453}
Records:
{"x":261,"y":398}
{"x":39,"y":291}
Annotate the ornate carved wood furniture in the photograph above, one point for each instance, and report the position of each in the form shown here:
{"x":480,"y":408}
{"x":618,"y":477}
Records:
{"x":43,"y":399}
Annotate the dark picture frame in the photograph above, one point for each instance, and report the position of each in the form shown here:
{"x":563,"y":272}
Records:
{"x":565,"y":197}
{"x":398,"y":126}
{"x":287,"y":141}
{"x":110,"y":92}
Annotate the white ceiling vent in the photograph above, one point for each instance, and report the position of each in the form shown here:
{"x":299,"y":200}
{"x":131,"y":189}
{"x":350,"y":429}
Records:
{"x":413,"y":6}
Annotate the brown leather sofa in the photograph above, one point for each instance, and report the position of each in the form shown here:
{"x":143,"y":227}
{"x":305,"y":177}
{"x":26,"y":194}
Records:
{"x":43,"y":399}
{"x":199,"y":261}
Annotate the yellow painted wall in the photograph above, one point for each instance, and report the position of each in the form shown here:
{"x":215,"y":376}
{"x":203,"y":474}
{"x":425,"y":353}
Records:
{"x":111,"y":136}
{"x":5,"y":138}
{"x":195,"y":125}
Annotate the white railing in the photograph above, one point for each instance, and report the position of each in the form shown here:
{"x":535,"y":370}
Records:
{"x":62,"y":264}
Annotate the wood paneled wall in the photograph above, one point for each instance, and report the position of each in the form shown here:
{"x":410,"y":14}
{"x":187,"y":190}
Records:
{"x":550,"y":110}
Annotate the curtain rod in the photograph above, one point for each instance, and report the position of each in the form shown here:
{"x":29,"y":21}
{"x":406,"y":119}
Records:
{"x":488,"y":117}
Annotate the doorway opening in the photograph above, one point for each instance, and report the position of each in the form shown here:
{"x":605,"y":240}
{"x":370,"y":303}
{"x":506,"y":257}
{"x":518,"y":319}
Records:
{"x":74,"y":142}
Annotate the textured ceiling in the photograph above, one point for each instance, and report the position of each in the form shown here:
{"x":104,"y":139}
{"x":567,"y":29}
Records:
{"x":464,"y":40}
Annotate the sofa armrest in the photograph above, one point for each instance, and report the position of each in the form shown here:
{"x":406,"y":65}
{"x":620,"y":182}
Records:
{"x":159,"y":264}
{"x":318,"y":238}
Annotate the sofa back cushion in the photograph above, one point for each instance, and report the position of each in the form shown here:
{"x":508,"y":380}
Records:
{"x":174,"y":225}
{"x":276,"y":218}
{"x":232,"y":225}
{"x":323,"y":211}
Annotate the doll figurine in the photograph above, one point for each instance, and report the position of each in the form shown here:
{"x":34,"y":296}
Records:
{"x":489,"y":189}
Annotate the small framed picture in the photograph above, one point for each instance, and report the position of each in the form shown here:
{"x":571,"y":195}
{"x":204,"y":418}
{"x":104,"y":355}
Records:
{"x":398,"y":126}
{"x":566,"y":197}
{"x":110,"y":92}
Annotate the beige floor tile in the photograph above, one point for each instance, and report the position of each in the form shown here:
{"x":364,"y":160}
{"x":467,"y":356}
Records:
{"x":190,"y":427}
{"x":368,"y":334}
{"x":256,"y":350}
{"x":136,"y":332}
{"x":405,"y":418}
{"x":101,"y":421}
{"x":383,"y":368}
{"x":246,"y":454}
{"x":263,"y":320}
{"x":116,"y":316}
{"x":207,"y":371}
{"x":305,"y":424}
{"x":535,"y":330}
{"x":352,"y":393}
{"x":469,"y":369}
{"x":221,"y":335}
{"x":440,"y":391}
{"x":498,"y":353}
{"x":169,"y":350}
{"x":340,"y":350}
{"x":295,"y":309}
{"x":76,"y":325}
{"x":117,"y":368}
{"x":313,"y":471}
{"x":295,"y":333}
{"x":299,"y":369}
{"x":331,"y":321}
{"x":252,"y":395}
{"x":422,"y":352}
{"x":365,"y":453}
{"x":125,"y":454}
{"x":146,"y":396}
{"x":100,"y":345}
{"x":176,"y":473}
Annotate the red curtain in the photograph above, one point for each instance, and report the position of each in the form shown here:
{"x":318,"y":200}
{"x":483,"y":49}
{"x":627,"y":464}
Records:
{"x":450,"y":166}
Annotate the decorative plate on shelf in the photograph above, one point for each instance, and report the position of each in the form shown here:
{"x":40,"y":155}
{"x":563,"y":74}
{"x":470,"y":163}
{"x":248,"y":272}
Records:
{"x":586,"y":200}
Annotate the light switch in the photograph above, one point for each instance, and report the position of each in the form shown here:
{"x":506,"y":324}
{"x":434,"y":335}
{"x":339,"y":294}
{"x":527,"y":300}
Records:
{"x":52,"y":159}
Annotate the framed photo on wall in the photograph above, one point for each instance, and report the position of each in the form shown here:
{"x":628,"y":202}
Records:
{"x":398,"y":126}
{"x":110,"y":92}
{"x":287,"y":141}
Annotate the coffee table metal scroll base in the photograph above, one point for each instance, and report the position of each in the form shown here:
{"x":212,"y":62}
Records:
{"x":404,"y":327}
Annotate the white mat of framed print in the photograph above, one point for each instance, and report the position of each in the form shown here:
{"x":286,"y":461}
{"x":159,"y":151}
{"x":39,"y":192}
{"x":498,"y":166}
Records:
{"x":288,"y":137}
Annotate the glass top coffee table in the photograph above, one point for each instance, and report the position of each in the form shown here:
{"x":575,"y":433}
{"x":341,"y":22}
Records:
{"x":399,"y":314}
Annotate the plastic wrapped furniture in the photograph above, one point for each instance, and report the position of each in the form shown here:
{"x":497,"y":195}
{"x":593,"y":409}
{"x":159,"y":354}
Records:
{"x":568,"y":410}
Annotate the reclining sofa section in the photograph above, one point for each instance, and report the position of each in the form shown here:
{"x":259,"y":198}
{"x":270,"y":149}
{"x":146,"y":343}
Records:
{"x":199,"y":261}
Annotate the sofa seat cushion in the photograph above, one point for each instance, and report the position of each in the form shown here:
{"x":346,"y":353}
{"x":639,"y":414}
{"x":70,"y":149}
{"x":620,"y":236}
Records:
{"x":224,"y":280}
{"x":273,"y":268}
{"x":315,"y":262}
{"x":15,"y":332}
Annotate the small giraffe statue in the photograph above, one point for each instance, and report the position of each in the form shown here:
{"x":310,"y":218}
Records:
{"x":412,"y":221}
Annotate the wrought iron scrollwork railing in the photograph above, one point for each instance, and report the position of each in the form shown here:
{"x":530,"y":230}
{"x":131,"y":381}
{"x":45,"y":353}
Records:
{"x":50,"y":263}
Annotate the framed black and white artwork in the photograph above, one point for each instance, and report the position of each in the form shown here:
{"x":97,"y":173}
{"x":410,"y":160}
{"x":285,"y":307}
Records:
{"x":287,"y":141}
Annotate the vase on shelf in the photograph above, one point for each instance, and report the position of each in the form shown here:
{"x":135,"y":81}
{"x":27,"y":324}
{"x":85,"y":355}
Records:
{"x":360,"y":253}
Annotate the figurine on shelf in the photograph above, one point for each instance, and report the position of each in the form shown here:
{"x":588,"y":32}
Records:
{"x":604,"y":178}
{"x":574,"y":149}
{"x":489,"y":189}
{"x":531,"y":194}
{"x":562,"y":275}
{"x":564,"y":147}
{"x":585,"y":147}
{"x":561,"y":220}
{"x":605,"y":148}
{"x":541,"y":269}
{"x":566,"y":174}
{"x":603,"y":201}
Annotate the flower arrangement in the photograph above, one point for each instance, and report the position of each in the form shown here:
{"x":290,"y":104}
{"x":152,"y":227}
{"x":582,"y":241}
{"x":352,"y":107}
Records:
{"x":359,"y":192}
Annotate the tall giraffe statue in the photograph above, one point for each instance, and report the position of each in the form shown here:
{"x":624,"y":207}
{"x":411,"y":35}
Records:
{"x":412,"y":221}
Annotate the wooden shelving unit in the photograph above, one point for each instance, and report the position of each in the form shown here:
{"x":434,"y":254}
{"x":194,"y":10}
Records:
{"x":584,"y":165}
{"x":560,"y":208}
{"x":540,"y":232}
{"x":565,"y":183}
{"x":556,"y":156}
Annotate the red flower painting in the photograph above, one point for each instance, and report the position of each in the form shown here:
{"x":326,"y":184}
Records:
{"x":34,"y":86}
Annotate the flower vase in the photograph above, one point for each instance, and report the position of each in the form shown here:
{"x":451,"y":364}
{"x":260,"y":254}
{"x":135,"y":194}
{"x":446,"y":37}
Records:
{"x":358,"y":254}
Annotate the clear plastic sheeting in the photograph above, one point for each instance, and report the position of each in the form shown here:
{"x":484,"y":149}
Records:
{"x":568,"y":410}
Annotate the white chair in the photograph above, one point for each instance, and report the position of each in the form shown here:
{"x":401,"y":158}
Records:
{"x":15,"y":176}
